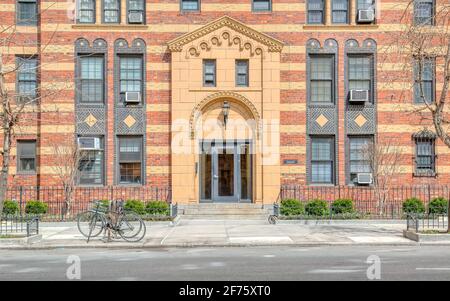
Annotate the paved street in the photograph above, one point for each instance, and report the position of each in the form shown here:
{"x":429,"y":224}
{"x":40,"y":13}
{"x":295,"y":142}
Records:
{"x":262,"y":263}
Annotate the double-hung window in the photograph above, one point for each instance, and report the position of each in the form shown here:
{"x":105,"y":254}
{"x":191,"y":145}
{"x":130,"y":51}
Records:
{"x":322,"y":79}
{"x":91,"y":166}
{"x":424,"y":81}
{"x":136,"y":11}
{"x":26,"y":78}
{"x":360,"y":73}
{"x":190,"y":5}
{"x":360,"y":150}
{"x":242,"y":70}
{"x":322,"y":160}
{"x":339,"y":11}
{"x":26,"y":156}
{"x":262,"y":5}
{"x":365,"y":4}
{"x":131,"y":74}
{"x":26,"y":12}
{"x":316,"y":10}
{"x":425,"y":157}
{"x":423,"y":12}
{"x":92,"y":79}
{"x":111,"y":11}
{"x":209,"y":73}
{"x":86,"y":11}
{"x":130,"y":160}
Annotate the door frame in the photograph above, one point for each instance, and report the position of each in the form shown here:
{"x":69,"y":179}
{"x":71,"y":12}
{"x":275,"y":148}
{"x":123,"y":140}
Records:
{"x":237,"y":174}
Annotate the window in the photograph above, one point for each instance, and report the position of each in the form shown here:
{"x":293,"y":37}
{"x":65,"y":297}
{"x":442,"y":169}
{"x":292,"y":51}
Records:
{"x":315,"y":12}
{"x":242,"y":73}
{"x":322,"y":78}
{"x":339,"y":11}
{"x":131,"y":73}
{"x":190,"y":5}
{"x":425,"y":157}
{"x":262,"y":5}
{"x":322,"y":160}
{"x":424,"y":79}
{"x":130,"y":160}
{"x":360,"y":73}
{"x":364,"y":4}
{"x":360,"y":149}
{"x":209,"y":73}
{"x":26,"y":156}
{"x":136,"y":9}
{"x":26,"y":12}
{"x":423,"y":12}
{"x":26,"y":78}
{"x":111,"y":11}
{"x":86,"y":11}
{"x":92,"y":81}
{"x":91,"y":168}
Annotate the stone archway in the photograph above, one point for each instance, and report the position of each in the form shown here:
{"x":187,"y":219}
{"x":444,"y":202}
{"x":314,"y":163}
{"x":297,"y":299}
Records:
{"x":243,"y":115}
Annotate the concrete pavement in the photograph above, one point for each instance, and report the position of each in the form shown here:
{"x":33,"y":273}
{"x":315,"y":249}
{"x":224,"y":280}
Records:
{"x":198,"y":233}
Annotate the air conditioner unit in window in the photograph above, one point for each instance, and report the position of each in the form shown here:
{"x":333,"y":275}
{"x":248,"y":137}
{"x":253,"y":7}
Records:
{"x":88,"y":143}
{"x":132,"y":97}
{"x":358,"y":96}
{"x":366,"y":15}
{"x":364,"y":178}
{"x":135,"y":17}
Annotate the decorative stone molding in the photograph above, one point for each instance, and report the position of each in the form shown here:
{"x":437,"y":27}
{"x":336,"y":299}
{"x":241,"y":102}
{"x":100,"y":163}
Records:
{"x":425,"y":133}
{"x":177,"y":44}
{"x":198,"y":110}
{"x":230,"y":40}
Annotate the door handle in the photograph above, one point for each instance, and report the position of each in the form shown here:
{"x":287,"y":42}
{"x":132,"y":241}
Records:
{"x":216,"y":176}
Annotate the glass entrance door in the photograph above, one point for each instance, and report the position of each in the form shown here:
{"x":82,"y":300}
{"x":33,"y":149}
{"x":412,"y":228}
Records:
{"x":225,"y":172}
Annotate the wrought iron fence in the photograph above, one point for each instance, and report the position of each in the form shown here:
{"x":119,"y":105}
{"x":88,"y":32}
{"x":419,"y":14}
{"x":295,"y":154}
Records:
{"x":19,"y":225}
{"x":427,"y":222}
{"x":368,"y":201}
{"x":55,"y":198}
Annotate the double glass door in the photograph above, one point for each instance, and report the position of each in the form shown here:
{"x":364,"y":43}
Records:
{"x":225,"y":172}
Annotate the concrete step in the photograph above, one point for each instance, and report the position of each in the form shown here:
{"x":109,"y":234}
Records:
{"x":241,"y":211}
{"x":225,"y":211}
{"x":224,"y":217}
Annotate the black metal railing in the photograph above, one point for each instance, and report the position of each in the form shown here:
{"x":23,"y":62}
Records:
{"x":57,"y":207}
{"x":368,"y":201}
{"x":16,"y":225}
{"x":419,"y":222}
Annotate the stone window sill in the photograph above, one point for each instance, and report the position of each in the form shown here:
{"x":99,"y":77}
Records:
{"x":111,"y":26}
{"x":340,"y":26}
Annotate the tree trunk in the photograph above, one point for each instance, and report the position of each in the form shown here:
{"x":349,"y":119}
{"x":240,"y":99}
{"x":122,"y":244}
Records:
{"x":5,"y":165}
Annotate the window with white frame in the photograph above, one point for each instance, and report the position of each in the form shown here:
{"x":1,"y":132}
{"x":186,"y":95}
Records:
{"x":86,"y":11}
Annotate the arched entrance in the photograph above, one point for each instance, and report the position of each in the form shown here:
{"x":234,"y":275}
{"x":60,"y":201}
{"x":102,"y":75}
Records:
{"x":225,"y":126}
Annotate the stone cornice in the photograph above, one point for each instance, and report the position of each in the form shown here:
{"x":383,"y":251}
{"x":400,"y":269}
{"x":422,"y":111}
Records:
{"x":273,"y":45}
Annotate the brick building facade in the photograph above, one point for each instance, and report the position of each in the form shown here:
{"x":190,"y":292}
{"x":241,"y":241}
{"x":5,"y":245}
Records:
{"x":283,"y":69}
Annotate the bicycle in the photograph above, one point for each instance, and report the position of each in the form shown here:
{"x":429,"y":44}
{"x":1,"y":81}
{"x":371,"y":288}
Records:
{"x":126,"y":224}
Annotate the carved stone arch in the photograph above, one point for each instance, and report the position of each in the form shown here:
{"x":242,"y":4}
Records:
{"x":369,"y":44}
{"x":313,"y":43}
{"x":82,"y":45}
{"x":351,"y":43}
{"x":199,"y":109}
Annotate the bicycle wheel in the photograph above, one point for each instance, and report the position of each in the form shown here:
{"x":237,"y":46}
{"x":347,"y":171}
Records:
{"x":272,"y":219}
{"x":90,"y":222}
{"x":131,"y":227}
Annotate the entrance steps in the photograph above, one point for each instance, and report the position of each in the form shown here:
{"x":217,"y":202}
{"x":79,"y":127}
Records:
{"x":222,"y":211}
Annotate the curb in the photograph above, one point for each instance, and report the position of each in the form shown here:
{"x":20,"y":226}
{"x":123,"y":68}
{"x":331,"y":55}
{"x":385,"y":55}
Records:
{"x":196,"y":245}
{"x":340,"y":222}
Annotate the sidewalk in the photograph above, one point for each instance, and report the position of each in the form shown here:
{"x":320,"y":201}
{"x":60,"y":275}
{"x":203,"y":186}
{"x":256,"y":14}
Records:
{"x":192,"y":233}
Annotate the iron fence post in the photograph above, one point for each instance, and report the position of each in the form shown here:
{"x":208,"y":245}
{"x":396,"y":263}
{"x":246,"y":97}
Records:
{"x":20,"y":199}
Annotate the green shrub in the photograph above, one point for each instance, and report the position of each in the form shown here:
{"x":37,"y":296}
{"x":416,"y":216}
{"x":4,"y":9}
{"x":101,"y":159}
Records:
{"x":317,"y":208}
{"x":10,"y":207}
{"x":157,"y":208}
{"x":36,"y":207}
{"x":137,"y":206}
{"x":438,"y":206}
{"x":342,"y":206}
{"x":291,"y":207}
{"x":413,"y":205}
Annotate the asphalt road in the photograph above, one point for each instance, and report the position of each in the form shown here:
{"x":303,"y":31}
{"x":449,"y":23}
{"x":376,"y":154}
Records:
{"x":268,"y":263}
